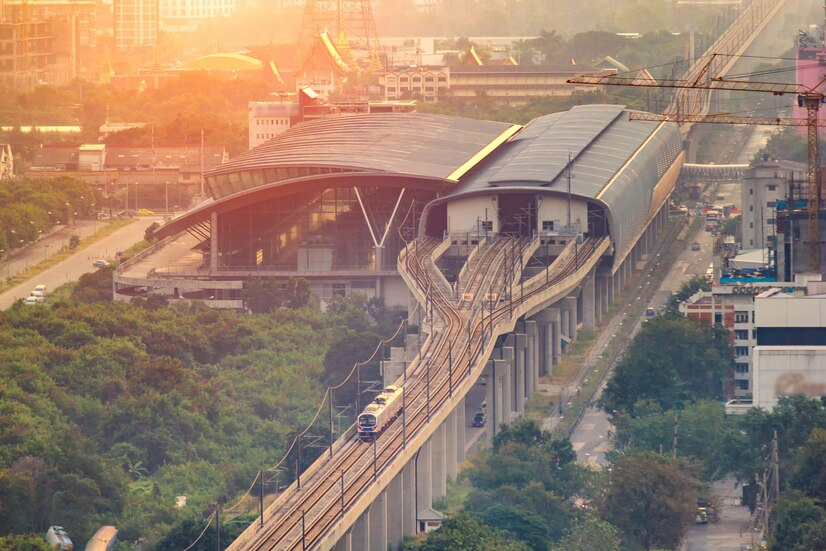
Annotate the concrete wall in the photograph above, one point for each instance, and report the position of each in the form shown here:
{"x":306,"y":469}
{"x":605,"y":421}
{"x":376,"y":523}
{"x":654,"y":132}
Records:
{"x":555,"y":207}
{"x":464,"y":214}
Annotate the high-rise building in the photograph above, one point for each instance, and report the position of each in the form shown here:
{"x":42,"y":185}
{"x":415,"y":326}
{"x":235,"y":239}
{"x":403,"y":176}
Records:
{"x":136,"y":24}
{"x":183,"y":13}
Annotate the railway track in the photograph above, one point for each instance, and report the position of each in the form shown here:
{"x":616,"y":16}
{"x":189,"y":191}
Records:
{"x":462,"y":331}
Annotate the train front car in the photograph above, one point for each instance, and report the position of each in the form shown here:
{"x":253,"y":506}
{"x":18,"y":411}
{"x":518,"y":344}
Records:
{"x":368,"y":426}
{"x":384,"y":408}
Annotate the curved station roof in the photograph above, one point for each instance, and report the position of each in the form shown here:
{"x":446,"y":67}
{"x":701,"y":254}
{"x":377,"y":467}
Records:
{"x":614,"y":161}
{"x":610,"y":159}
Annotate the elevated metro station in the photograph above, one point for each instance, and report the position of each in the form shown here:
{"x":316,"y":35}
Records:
{"x":335,"y":200}
{"x":506,"y":239}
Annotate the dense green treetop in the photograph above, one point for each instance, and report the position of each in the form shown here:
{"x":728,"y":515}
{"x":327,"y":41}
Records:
{"x":108,"y":411}
{"x":651,"y":499}
{"x":672,"y":361}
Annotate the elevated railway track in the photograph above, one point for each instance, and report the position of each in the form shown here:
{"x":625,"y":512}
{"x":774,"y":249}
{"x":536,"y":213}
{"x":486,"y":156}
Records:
{"x":464,"y":329}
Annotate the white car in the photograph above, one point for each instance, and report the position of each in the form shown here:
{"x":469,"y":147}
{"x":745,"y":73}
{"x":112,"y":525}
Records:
{"x":30,"y":300}
{"x":41,"y":288}
{"x":37,"y":296}
{"x":100,"y":263}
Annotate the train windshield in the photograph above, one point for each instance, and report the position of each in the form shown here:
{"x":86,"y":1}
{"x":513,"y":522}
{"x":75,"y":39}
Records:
{"x":367,"y":420}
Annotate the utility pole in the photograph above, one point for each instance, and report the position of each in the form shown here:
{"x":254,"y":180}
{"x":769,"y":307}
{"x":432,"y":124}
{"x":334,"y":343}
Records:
{"x":674,"y":443}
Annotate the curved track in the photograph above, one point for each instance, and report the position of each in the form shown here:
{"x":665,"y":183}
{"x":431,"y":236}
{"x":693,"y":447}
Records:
{"x":461,"y":332}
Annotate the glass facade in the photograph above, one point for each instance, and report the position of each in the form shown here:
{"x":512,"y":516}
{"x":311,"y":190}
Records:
{"x":319,"y":230}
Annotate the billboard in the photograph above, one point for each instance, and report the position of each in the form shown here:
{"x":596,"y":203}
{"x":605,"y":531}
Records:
{"x":788,"y":371}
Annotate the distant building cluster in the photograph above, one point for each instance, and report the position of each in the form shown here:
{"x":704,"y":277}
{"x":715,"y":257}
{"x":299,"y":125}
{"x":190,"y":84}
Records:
{"x":132,"y":177}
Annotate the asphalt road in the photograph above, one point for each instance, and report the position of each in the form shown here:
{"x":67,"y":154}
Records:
{"x":73,"y":267}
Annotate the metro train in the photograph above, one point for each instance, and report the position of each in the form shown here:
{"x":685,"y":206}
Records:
{"x":379,"y":413}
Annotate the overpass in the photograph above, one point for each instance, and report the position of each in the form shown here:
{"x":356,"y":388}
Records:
{"x":692,"y":172}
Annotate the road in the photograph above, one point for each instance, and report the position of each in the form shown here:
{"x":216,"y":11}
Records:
{"x":731,"y":531}
{"x":73,"y":267}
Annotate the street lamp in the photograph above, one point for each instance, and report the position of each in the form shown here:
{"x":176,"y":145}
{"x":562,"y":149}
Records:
{"x":166,"y":195}
{"x":45,"y":252}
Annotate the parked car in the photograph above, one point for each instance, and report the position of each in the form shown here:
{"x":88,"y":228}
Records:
{"x":41,"y":288}
{"x":145,"y":212}
{"x":650,"y":312}
{"x":479,"y":419}
{"x":695,"y":246}
{"x":100,"y":263}
{"x":30,"y":300}
{"x":37,"y":296}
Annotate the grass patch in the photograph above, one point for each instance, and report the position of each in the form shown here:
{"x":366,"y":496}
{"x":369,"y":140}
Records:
{"x":138,"y":247}
{"x":454,"y":500}
{"x":59,"y":257}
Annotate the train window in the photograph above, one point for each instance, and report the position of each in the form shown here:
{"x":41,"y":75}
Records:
{"x":367,"y":420}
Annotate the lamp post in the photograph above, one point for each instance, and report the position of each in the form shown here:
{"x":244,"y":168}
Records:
{"x":45,"y":252}
{"x":166,"y":195}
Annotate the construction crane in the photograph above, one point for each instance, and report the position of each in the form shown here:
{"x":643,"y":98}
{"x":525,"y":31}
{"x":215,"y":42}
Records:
{"x":809,"y":97}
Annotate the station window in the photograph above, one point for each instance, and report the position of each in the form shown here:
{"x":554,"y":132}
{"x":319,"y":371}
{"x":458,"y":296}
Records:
{"x":741,"y":316}
{"x":741,"y":368}
{"x":740,"y":351}
{"x":741,"y":334}
{"x":548,"y":225}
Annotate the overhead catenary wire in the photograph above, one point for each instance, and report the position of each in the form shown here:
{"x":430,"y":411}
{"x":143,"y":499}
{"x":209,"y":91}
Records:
{"x":209,"y":521}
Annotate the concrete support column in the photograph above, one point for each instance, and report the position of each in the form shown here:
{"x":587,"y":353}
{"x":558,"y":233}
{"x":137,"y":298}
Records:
{"x":360,"y":533}
{"x":491,"y":396}
{"x":424,"y":482}
{"x":505,"y":391}
{"x":345,"y":543}
{"x":395,"y":509}
{"x":532,"y":357}
{"x":461,"y":426}
{"x":520,"y":346}
{"x":408,"y":511}
{"x":379,"y":256}
{"x":378,"y":523}
{"x":438,"y":462}
{"x":213,"y":242}
{"x":451,"y":443}
{"x":570,"y":306}
{"x":609,"y":291}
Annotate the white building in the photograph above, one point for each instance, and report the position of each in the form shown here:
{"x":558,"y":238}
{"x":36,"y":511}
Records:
{"x":763,"y":185}
{"x":790,"y":356}
{"x":733,"y":307}
{"x":184,"y":13}
{"x":136,"y":24}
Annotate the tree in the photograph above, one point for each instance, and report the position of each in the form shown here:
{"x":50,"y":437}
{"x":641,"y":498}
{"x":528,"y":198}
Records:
{"x":465,"y":533}
{"x":651,"y":500}
{"x":810,"y":474}
{"x":703,"y":432}
{"x":591,"y":534}
{"x":688,"y":288}
{"x":693,"y":368}
{"x":800,"y":525}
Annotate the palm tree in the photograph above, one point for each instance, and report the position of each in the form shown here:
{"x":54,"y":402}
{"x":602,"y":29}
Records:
{"x":549,"y":45}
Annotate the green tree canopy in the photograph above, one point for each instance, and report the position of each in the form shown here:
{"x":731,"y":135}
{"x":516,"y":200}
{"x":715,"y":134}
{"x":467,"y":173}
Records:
{"x":651,"y":499}
{"x":671,"y":361}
